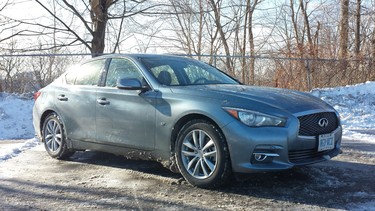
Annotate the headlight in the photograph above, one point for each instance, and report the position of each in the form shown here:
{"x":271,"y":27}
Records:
{"x":256,"y":119}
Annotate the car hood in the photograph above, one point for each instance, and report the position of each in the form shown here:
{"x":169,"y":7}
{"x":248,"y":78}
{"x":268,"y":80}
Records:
{"x":252,"y":96}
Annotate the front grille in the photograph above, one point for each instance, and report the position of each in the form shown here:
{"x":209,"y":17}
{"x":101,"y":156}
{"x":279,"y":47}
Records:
{"x":305,"y":156}
{"x":309,"y":124}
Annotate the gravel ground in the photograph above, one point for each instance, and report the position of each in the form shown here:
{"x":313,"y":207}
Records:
{"x":97,"y":181}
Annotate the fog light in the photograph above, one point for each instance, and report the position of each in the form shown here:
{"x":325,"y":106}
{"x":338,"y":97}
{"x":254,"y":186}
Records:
{"x":262,"y":156}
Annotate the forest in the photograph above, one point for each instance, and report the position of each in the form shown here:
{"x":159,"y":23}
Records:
{"x":296,"y":44}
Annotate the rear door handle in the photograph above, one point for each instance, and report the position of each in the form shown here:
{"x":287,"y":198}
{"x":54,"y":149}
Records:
{"x":102,"y":101}
{"x":62,"y":98}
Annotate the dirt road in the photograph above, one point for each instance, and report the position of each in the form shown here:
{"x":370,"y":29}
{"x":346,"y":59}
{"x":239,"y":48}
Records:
{"x":91,"y":180}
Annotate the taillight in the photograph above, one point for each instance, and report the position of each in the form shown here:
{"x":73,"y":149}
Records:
{"x":36,"y":95}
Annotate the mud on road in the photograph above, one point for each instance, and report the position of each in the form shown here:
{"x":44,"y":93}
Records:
{"x":92,"y":180}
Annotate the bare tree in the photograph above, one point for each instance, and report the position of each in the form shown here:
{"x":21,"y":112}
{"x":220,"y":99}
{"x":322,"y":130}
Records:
{"x":250,"y":8}
{"x":194,"y":27}
{"x":344,"y":29}
{"x":9,"y":67}
{"x":212,"y":39}
{"x":184,"y":15}
{"x":94,"y":16}
{"x":246,"y":44}
{"x":216,"y":8}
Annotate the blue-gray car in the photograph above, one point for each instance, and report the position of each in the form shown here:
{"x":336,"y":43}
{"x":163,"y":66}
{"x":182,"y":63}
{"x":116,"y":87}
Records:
{"x":186,"y":114}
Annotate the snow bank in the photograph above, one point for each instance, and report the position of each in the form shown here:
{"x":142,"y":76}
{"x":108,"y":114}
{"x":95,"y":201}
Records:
{"x":16,"y":116}
{"x":356,"y":105}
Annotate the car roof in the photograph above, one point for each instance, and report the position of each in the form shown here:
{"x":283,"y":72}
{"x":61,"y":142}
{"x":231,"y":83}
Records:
{"x":138,"y":55}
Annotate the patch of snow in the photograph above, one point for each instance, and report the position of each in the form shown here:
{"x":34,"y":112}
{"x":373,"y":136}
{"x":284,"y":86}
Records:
{"x":16,"y":116}
{"x":8,"y":151}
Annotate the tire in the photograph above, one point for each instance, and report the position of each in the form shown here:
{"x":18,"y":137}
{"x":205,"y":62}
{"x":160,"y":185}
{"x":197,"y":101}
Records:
{"x":54,"y":138}
{"x":202,"y":155}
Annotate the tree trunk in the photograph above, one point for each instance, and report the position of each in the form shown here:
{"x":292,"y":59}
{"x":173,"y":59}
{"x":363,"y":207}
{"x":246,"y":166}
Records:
{"x":295,"y":27}
{"x":243,"y":50}
{"x":308,"y":28}
{"x":200,"y":33}
{"x":311,"y":54}
{"x":358,"y":28}
{"x":228,"y":62}
{"x":343,"y":44}
{"x":251,"y":43}
{"x":99,"y":17}
{"x":372,"y":60}
{"x":344,"y":28}
{"x":298,"y":84}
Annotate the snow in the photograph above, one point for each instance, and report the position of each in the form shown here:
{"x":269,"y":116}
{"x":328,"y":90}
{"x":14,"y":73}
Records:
{"x":356,"y":105}
{"x":15,"y":124}
{"x":16,"y":116}
{"x":8,"y":151}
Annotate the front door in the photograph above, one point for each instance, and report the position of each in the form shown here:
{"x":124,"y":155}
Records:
{"x":125,"y":117}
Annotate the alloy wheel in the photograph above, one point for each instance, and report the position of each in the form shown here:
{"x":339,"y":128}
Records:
{"x":199,"y":154}
{"x":53,"y":135}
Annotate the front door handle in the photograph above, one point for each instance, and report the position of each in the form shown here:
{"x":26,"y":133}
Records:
{"x":102,"y":101}
{"x":62,"y":98}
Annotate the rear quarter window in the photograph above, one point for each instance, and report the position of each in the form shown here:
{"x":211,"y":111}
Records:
{"x":85,"y":74}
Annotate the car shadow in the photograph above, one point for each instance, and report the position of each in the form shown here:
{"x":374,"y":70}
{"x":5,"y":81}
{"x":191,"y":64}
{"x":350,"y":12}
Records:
{"x":119,"y":161}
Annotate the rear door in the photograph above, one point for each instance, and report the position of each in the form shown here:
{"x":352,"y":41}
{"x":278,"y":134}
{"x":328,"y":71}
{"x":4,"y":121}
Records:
{"x":125,"y":117}
{"x":76,"y":101}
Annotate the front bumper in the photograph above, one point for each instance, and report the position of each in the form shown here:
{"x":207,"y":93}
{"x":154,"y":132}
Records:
{"x":274,"y":148}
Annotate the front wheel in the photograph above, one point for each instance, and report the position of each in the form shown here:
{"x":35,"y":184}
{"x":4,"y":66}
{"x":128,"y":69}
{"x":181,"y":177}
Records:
{"x":54,"y":138}
{"x":202,"y":154}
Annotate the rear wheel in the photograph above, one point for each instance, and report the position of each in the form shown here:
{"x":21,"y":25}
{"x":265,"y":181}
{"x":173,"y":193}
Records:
{"x":202,"y":154}
{"x":54,"y":138}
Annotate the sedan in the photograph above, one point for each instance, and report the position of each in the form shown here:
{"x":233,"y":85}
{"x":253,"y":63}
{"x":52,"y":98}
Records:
{"x":186,"y":114}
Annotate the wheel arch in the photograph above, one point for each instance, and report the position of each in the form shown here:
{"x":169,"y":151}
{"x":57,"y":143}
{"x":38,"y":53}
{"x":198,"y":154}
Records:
{"x":183,"y":121}
{"x":222,"y":171}
{"x":43,"y":118}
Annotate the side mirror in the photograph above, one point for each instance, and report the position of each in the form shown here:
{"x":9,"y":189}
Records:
{"x":130,"y":84}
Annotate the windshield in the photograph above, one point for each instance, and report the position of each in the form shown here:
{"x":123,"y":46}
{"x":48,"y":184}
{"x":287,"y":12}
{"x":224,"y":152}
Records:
{"x":174,"y":71}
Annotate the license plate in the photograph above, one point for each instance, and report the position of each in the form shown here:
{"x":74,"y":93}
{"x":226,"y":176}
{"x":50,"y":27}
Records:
{"x":326,"y":142}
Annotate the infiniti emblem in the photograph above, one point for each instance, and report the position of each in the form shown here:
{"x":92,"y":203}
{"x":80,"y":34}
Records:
{"x":323,"y":122}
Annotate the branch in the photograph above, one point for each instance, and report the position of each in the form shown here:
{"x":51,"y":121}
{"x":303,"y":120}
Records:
{"x":120,"y":30}
{"x":66,"y":26}
{"x":79,"y":16}
{"x":6,"y":4}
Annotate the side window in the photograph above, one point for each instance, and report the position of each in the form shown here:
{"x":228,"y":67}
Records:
{"x":165,"y":75}
{"x":87,"y":74}
{"x":121,"y":68}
